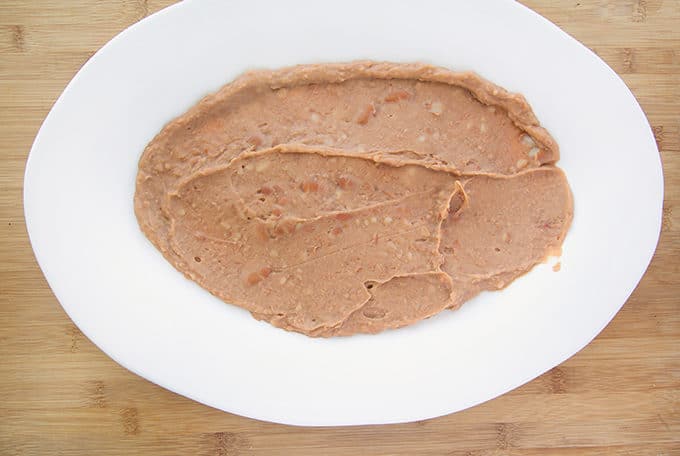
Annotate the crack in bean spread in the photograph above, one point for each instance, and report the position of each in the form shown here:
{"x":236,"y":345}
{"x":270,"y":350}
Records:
{"x":337,"y":199}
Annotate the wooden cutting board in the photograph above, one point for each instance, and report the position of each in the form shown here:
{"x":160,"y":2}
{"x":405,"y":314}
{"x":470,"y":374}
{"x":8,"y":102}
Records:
{"x":59,"y":395}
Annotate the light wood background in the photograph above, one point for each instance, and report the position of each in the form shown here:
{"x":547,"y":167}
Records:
{"x":59,"y":395}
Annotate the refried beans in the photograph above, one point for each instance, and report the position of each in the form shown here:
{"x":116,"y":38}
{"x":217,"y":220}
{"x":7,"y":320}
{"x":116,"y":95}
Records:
{"x":336,"y":199}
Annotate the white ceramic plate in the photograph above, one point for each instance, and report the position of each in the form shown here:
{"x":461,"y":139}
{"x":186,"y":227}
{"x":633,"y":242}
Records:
{"x":128,"y":300}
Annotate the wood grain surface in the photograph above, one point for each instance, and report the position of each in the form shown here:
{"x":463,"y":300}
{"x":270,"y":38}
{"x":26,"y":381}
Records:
{"x":59,"y":395}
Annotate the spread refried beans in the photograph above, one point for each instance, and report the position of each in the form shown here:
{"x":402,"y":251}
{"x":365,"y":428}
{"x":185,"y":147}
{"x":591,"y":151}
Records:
{"x":337,"y":199}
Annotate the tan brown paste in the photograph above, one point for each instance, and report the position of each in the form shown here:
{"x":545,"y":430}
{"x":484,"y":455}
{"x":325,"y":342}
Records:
{"x":351,"y":198}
